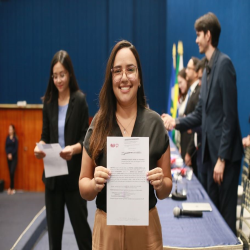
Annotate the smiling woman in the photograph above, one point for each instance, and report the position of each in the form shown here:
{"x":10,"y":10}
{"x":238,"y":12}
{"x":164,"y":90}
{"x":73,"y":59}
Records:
{"x":123,"y":112}
{"x":125,"y":86}
{"x":65,"y":121}
{"x":117,"y":94}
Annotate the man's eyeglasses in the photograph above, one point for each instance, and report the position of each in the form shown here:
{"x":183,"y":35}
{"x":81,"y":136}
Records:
{"x":130,"y":72}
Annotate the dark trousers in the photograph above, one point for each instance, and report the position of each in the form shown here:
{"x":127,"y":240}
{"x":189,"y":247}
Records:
{"x":12,"y":167}
{"x":77,"y":207}
{"x":202,"y":177}
{"x":201,"y":166}
{"x":224,"y":196}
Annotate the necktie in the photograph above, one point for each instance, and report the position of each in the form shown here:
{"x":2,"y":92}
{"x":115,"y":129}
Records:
{"x":188,"y":95}
{"x":208,"y":69}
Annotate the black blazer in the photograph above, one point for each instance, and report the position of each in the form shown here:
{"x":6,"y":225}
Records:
{"x":192,"y":102}
{"x":76,"y":125}
{"x":187,"y":140}
{"x":217,"y":112}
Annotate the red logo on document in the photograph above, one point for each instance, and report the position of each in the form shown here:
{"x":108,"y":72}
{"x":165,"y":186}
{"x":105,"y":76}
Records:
{"x":112,"y":145}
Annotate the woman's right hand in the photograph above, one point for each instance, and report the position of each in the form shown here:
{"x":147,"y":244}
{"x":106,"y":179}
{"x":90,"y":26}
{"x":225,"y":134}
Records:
{"x":38,"y":153}
{"x":101,"y":176}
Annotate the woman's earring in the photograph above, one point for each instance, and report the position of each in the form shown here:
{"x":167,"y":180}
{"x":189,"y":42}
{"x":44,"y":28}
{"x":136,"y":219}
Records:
{"x":139,"y":85}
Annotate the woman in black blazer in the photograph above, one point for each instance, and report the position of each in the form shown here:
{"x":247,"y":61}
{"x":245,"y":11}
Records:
{"x":65,"y":121}
{"x":11,"y":146}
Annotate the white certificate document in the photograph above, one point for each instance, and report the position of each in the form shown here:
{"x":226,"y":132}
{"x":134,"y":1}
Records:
{"x":128,"y":188}
{"x":54,"y":165}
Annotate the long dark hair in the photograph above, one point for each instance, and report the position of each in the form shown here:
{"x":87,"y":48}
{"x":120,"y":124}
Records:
{"x":105,"y":117}
{"x":52,"y":92}
{"x":14,"y":130}
{"x":182,"y":74}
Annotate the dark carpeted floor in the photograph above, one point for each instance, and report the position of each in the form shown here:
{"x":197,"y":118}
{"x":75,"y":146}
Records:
{"x":68,"y":240}
{"x":16,"y":212}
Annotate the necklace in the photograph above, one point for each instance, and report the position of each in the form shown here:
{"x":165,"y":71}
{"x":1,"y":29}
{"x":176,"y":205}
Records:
{"x":125,"y":128}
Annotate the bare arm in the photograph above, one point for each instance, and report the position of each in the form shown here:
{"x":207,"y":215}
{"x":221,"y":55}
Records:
{"x":160,"y":177}
{"x":92,"y":179}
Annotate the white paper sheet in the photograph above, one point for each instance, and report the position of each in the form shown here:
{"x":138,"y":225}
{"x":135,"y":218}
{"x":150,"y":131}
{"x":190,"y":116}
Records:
{"x":196,"y":206}
{"x":54,"y":165}
{"x":127,"y":189}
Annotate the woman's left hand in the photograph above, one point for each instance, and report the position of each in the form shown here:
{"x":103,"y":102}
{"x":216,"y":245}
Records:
{"x":155,"y":177}
{"x":67,"y":153}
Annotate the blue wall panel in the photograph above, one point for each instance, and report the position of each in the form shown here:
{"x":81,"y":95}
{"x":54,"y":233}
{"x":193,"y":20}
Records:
{"x":121,"y":21}
{"x":31,"y":31}
{"x":234,"y":17}
{"x":150,"y":40}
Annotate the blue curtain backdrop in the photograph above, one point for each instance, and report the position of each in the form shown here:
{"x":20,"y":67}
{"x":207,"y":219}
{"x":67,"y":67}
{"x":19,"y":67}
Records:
{"x":31,"y":31}
{"x":234,"y":17}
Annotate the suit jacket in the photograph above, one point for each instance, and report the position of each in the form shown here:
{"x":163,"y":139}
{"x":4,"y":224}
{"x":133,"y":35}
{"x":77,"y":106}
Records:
{"x":187,"y":140}
{"x":76,"y":125}
{"x":217,"y":112}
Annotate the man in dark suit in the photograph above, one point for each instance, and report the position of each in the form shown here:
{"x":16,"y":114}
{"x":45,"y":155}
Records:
{"x":187,"y":138}
{"x":201,"y":166}
{"x":218,"y":114}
